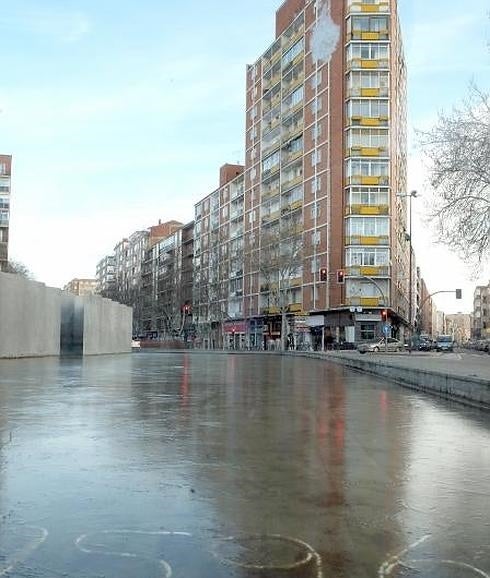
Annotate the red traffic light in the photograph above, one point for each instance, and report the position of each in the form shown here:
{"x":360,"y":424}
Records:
{"x":384,"y":314}
{"x":340,"y":276}
{"x":323,"y":274}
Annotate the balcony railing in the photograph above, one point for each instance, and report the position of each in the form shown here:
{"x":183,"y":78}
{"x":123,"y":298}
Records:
{"x":357,"y":209}
{"x":364,"y":301}
{"x":368,"y":181}
{"x":359,"y":6}
{"x":368,"y":271}
{"x":368,"y":92}
{"x":380,"y":121}
{"x":360,"y":151}
{"x":370,"y":35}
{"x":368,"y":64}
{"x":288,"y":184}
{"x":367,"y":240}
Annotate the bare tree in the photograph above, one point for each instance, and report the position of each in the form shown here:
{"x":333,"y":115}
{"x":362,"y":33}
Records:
{"x":458,"y":153}
{"x":18,"y":268}
{"x":280,"y":265}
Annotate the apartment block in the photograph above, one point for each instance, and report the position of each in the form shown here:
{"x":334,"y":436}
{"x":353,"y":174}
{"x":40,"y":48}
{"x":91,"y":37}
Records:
{"x":5,"y":176}
{"x":130,"y":255}
{"x":481,"y":312}
{"x":106,"y":277}
{"x":167,"y":285}
{"x":312,"y":227}
{"x":81,"y":287}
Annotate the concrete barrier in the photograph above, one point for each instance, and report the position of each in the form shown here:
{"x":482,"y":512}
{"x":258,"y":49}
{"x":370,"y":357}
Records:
{"x":40,"y":321}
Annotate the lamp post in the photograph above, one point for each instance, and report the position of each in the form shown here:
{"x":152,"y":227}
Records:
{"x":410,"y":195}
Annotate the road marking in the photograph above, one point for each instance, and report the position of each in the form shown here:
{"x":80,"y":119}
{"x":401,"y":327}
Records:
{"x":167,"y":569}
{"x":25,"y":553}
{"x":393,"y":561}
{"x":453,"y":563}
{"x":311,"y":554}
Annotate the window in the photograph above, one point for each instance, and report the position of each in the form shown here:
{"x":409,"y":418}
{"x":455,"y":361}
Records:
{"x":368,"y":331}
{"x":368,"y":196}
{"x":251,"y":216}
{"x":316,"y":157}
{"x":316,"y":131}
{"x":368,"y":108}
{"x":368,"y":226}
{"x":271,"y":162}
{"x":315,"y":210}
{"x":316,"y":105}
{"x":315,"y":238}
{"x":370,"y":257}
{"x":316,"y":184}
{"x":315,"y":264}
{"x":372,"y":138}
{"x":292,"y":53}
{"x":316,"y":79}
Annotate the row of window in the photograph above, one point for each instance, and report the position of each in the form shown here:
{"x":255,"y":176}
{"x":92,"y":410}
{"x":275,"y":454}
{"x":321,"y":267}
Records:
{"x":367,"y":226}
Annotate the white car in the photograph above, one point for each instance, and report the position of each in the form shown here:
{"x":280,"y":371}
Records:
{"x":379,"y":345}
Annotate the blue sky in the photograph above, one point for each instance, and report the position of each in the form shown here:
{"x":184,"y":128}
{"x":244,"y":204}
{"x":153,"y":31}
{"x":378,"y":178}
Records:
{"x":119,"y":114}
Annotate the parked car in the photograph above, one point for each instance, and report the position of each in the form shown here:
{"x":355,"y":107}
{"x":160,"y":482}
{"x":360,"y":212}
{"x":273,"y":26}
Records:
{"x":445,"y":343}
{"x":425,"y":345}
{"x":379,"y":345}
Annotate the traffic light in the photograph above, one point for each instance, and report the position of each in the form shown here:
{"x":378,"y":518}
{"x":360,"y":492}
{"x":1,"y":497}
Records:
{"x":459,"y":294}
{"x":323,"y":274}
{"x":340,"y":276}
{"x":384,"y":315}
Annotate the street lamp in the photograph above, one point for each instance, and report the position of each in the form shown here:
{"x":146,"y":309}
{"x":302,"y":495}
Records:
{"x":411,"y":195}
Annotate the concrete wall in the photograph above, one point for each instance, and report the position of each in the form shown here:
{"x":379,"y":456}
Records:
{"x":40,"y":321}
{"x":106,"y":326}
{"x":30,"y":318}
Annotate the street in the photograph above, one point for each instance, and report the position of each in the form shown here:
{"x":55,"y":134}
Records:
{"x":213,"y":466}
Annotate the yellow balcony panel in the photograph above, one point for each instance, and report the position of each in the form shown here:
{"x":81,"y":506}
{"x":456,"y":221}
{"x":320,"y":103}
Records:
{"x":370,"y":121}
{"x":295,"y":307}
{"x":367,"y":271}
{"x":370,"y":35}
{"x":272,"y":310}
{"x":275,"y":215}
{"x":292,"y":157}
{"x":369,"y":8}
{"x":370,"y":152}
{"x":296,"y":205}
{"x":370,"y":180}
{"x":367,"y":209}
{"x":370,"y":63}
{"x":370,"y":92}
{"x":370,"y":271}
{"x":370,"y":301}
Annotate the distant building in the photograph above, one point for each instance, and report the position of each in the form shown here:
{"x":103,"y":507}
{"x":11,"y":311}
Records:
{"x":106,"y":276}
{"x":130,"y":255}
{"x":81,"y":286}
{"x":459,"y":326}
{"x":481,"y":312}
{"x":5,"y":175}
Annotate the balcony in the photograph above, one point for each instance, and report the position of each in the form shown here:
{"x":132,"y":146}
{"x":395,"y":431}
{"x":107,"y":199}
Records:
{"x":357,"y":6}
{"x":358,"y":209}
{"x":370,"y":35}
{"x":364,"y":301}
{"x":367,"y":240}
{"x":290,"y":157}
{"x":289,"y":184}
{"x":295,"y":308}
{"x":359,"y":151}
{"x":380,"y":121}
{"x":368,"y":181}
{"x":268,"y":193}
{"x":289,"y":87}
{"x":368,"y":271}
{"x":368,"y":64}
{"x":288,"y":42}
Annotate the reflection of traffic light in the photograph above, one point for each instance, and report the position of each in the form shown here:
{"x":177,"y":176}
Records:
{"x":384,"y":315}
{"x":340,"y":276}
{"x":323,"y":274}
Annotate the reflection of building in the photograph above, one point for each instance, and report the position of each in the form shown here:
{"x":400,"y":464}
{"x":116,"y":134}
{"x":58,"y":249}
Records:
{"x":81,"y":286}
{"x":459,"y":326}
{"x":5,"y":175}
{"x":481,"y":312}
{"x":325,"y":157}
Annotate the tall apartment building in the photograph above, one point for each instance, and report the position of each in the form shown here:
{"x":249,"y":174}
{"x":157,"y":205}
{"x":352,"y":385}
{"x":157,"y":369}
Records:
{"x":316,"y":227}
{"x":5,"y":175}
{"x":481,"y":312}
{"x":167,"y":285}
{"x":129,"y":256}
{"x":105,"y":274}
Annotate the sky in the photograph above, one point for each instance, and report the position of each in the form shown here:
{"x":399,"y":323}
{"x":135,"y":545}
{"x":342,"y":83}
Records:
{"x":119,"y":114}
